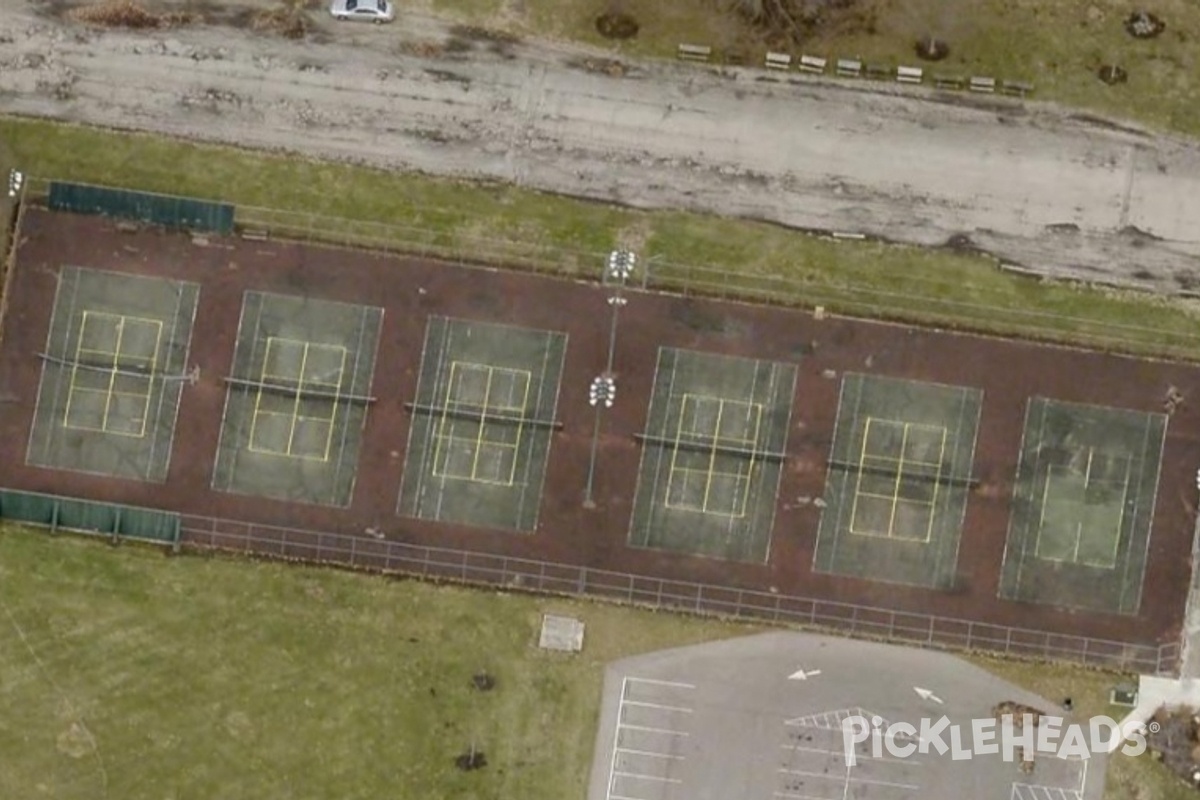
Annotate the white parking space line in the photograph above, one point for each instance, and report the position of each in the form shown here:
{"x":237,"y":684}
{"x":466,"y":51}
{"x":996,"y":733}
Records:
{"x":864,"y":781}
{"x":659,"y":706}
{"x":857,"y":755}
{"x":648,"y":729}
{"x":646,"y":739}
{"x":647,"y":754}
{"x":656,"y":682}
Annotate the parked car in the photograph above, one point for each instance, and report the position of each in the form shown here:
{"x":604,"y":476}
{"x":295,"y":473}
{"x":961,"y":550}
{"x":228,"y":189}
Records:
{"x":377,"y":11}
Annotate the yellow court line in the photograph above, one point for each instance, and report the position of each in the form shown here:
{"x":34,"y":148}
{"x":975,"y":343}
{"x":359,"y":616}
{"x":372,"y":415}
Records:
{"x":745,"y":504}
{"x":937,"y":485}
{"x":899,"y":474}
{"x":334,"y":405}
{"x":112,"y":378}
{"x":712,"y":458}
{"x":512,"y":472}
{"x":296,"y":400}
{"x":487,"y":394}
{"x":862,"y":460}
{"x":675,"y":450}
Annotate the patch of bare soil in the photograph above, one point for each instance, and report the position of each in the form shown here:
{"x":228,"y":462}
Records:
{"x":128,"y":14}
{"x":614,"y":25}
{"x":1176,"y":743}
{"x":289,"y":19}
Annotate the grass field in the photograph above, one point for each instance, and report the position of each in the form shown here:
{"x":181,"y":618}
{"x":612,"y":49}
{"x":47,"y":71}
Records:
{"x":1058,"y":46}
{"x":570,"y":237}
{"x":127,"y":674}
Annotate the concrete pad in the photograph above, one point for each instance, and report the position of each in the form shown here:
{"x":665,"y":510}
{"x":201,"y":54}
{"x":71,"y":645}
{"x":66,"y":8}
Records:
{"x":764,"y":716}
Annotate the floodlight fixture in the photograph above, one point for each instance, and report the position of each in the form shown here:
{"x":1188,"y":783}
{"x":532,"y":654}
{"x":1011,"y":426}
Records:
{"x":602,"y":391}
{"x":15,"y":181}
{"x":620,"y":264}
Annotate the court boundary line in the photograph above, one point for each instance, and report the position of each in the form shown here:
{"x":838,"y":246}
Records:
{"x":73,"y":276}
{"x":1150,"y":419}
{"x":1079,"y":529}
{"x":439,"y":335}
{"x":838,"y":473}
{"x":778,"y":388}
{"x":712,"y":453}
{"x":254,"y":304}
{"x":514,"y":447}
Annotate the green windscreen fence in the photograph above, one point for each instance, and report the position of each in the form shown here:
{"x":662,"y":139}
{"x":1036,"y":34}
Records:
{"x":159,"y":209}
{"x":106,"y":519}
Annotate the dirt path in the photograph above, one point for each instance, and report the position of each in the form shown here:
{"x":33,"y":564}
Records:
{"x":1028,"y":182}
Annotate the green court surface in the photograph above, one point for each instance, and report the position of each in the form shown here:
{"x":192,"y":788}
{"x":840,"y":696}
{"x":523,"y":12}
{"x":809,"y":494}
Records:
{"x":298,"y":395}
{"x":899,"y":473}
{"x":712,"y":454}
{"x":1082,"y":506}
{"x":113,"y":371}
{"x":482,"y":422}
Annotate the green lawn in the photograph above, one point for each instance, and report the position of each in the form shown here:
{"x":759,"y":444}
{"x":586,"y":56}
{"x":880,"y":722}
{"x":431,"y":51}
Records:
{"x":128,"y":674}
{"x":723,"y":256}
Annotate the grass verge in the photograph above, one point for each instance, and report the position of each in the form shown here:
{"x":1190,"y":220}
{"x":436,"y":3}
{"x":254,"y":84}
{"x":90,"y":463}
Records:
{"x":127,"y":674}
{"x":338,"y":202}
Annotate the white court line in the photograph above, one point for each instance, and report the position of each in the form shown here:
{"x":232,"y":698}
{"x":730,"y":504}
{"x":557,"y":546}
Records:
{"x":659,"y":706}
{"x":795,"y":796}
{"x":637,"y":776}
{"x":823,"y":776}
{"x":858,"y":756}
{"x":668,"y":756}
{"x":657,"y":682}
{"x":649,"y":729}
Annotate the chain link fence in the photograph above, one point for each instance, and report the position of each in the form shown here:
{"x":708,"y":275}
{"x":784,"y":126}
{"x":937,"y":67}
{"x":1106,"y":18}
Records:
{"x":436,"y":563}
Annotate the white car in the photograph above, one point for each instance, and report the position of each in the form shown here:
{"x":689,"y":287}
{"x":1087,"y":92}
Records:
{"x":377,"y":11}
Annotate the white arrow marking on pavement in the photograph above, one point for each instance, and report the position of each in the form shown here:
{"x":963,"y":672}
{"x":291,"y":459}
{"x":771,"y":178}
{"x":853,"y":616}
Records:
{"x":925,"y":694}
{"x":801,"y":675}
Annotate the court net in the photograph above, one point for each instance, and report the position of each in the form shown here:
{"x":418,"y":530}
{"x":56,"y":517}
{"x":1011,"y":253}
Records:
{"x":124,"y":370}
{"x":709,"y":447}
{"x":477,"y":414}
{"x":922,"y":473}
{"x":295,"y":391}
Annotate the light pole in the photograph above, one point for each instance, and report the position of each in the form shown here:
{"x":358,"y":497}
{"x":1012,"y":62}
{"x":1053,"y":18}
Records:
{"x":603,"y":391}
{"x":15,"y":181}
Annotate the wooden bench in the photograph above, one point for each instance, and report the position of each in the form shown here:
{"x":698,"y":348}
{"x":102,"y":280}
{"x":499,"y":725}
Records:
{"x":949,"y":81}
{"x":812,"y":64}
{"x":1016,"y":88}
{"x":984,"y":85}
{"x":878,"y":72}
{"x":694,"y":52}
{"x":909,"y":74}
{"x":849,"y":68}
{"x":778,"y":61}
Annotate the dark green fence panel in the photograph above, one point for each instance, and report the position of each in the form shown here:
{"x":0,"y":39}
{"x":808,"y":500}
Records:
{"x":36,"y":509}
{"x":106,"y":519}
{"x":80,"y":515}
{"x":155,"y":526}
{"x":159,"y":209}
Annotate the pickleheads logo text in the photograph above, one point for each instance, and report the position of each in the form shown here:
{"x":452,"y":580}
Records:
{"x":1011,"y":736}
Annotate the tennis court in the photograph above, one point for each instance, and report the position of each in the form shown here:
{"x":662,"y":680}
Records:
{"x":113,"y":370}
{"x":899,"y":474}
{"x":297,"y":398}
{"x":1082,"y":506}
{"x":482,"y":422}
{"x":712,"y":455}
